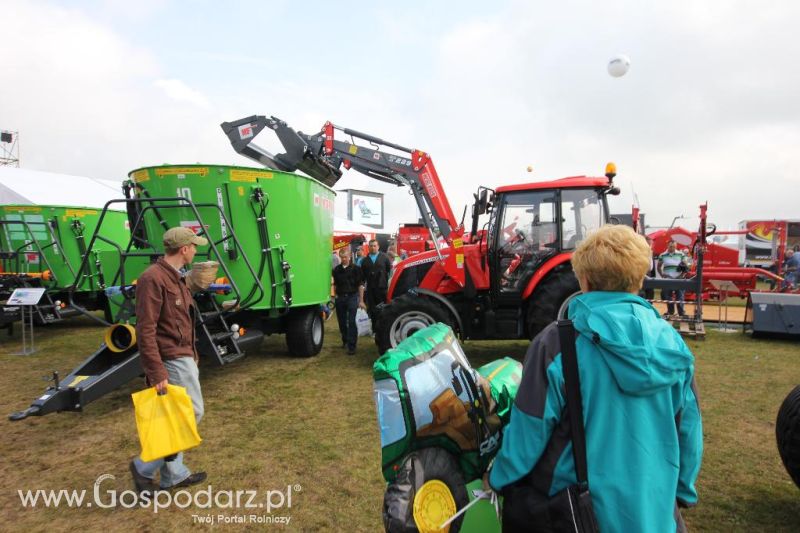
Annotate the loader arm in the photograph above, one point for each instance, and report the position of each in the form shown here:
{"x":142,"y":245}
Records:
{"x":321,"y":155}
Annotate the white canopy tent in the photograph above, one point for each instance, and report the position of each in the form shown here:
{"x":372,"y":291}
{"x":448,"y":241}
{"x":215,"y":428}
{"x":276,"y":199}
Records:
{"x":342,"y":226}
{"x":24,"y":186}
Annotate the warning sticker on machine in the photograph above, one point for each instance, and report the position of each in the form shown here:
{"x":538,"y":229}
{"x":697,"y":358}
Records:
{"x":79,"y":212}
{"x":140,"y":175}
{"x":171,"y":171}
{"x":77,"y":380}
{"x":23,"y":209}
{"x":249,"y":175}
{"x":222,"y":223}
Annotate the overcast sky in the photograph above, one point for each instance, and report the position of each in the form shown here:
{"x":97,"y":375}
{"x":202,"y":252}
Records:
{"x":709,"y":111}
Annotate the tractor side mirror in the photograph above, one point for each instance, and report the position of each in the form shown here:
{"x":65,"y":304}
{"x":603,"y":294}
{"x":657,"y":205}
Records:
{"x":482,"y":200}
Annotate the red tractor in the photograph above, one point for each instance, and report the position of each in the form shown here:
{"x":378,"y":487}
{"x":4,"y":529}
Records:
{"x":506,"y":281}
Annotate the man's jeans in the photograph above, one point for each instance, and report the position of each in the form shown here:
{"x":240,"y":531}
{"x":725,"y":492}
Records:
{"x":182,"y":371}
{"x":346,"y":309}
{"x":667,"y":295}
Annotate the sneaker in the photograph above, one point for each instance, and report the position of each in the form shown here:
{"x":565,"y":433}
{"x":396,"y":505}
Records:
{"x":141,"y":483}
{"x":193,"y":479}
{"x":351,"y":351}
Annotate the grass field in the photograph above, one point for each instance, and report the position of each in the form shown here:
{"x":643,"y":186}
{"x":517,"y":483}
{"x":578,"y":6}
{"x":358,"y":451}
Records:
{"x":273,"y":421}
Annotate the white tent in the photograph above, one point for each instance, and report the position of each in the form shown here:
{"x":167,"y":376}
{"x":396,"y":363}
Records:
{"x":24,"y":186}
{"x":342,"y":226}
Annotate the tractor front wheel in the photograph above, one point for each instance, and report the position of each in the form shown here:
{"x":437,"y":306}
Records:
{"x":403,"y":317}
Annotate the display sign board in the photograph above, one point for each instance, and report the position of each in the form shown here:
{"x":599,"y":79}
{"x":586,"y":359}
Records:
{"x":25,"y":296}
{"x":365,"y":207}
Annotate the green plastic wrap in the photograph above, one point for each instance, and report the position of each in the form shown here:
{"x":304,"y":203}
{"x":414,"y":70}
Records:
{"x":427,"y":395}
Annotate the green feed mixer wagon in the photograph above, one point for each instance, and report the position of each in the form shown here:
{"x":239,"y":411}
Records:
{"x":42,"y":246}
{"x":270,"y":233}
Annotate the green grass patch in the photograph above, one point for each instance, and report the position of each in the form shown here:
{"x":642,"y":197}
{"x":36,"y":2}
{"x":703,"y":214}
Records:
{"x":273,"y":421}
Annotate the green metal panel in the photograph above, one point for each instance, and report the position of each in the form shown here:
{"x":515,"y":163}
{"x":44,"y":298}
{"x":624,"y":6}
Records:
{"x":299,"y":225}
{"x":55,"y":238}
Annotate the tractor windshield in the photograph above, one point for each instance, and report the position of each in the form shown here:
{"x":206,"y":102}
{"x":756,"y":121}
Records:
{"x":581,"y":213}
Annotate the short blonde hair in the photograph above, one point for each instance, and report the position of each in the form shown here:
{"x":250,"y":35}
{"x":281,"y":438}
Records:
{"x":613,"y":258}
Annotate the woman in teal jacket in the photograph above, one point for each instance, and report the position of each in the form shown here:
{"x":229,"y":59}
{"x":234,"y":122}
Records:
{"x":643,"y":429}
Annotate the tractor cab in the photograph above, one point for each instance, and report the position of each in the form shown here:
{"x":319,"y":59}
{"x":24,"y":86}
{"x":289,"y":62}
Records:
{"x":535,"y":223}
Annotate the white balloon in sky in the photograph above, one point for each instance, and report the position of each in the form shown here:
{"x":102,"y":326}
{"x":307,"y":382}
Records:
{"x":619,"y":65}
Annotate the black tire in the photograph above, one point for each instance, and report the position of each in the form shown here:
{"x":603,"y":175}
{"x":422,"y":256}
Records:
{"x":305,"y":332}
{"x":417,"y":469}
{"x":546,"y":300}
{"x":787,"y":431}
{"x":404,"y":316}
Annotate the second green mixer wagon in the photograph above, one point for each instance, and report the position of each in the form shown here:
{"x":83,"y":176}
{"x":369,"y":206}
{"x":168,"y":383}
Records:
{"x":43,"y":245}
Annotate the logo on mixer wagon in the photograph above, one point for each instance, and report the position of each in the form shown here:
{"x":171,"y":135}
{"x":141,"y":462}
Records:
{"x":323,"y":203}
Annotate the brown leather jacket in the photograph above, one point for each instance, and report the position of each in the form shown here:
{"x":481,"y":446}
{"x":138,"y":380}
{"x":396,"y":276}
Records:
{"x":164,"y":319}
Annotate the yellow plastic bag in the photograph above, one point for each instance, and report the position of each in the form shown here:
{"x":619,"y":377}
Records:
{"x":166,"y":423}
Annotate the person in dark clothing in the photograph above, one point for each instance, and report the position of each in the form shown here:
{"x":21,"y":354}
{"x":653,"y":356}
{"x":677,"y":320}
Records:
{"x":650,"y":294}
{"x":348,"y":282}
{"x":375,"y":267}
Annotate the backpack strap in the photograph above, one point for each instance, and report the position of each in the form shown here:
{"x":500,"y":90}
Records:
{"x":572,"y":384}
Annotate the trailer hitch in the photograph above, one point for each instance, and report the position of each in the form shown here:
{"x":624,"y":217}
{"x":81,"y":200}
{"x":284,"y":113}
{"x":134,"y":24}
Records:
{"x":34,"y":409}
{"x":21,"y":415}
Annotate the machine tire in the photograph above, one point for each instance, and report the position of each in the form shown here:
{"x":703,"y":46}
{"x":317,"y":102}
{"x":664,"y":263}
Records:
{"x":546,"y":300}
{"x":404,"y":316}
{"x":305,"y":332}
{"x":417,"y":469}
{"x":787,"y":432}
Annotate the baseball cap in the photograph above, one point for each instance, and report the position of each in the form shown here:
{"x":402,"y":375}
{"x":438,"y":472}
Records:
{"x":180,"y":236}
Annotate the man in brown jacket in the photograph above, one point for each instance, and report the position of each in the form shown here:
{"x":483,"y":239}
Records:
{"x":165,"y":333}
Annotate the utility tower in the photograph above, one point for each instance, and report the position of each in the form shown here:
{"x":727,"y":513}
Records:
{"x":9,"y":148}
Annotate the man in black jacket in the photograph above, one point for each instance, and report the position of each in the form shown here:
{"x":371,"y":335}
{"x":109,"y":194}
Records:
{"x":375,"y":267}
{"x":349,"y":284}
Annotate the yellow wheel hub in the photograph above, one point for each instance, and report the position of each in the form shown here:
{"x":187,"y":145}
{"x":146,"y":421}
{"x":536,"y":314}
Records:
{"x":433,"y":505}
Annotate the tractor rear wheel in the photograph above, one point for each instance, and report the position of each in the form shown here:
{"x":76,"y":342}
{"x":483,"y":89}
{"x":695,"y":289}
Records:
{"x":403,"y":317}
{"x":787,"y":431}
{"x":546,"y":301}
{"x":305,"y":332}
